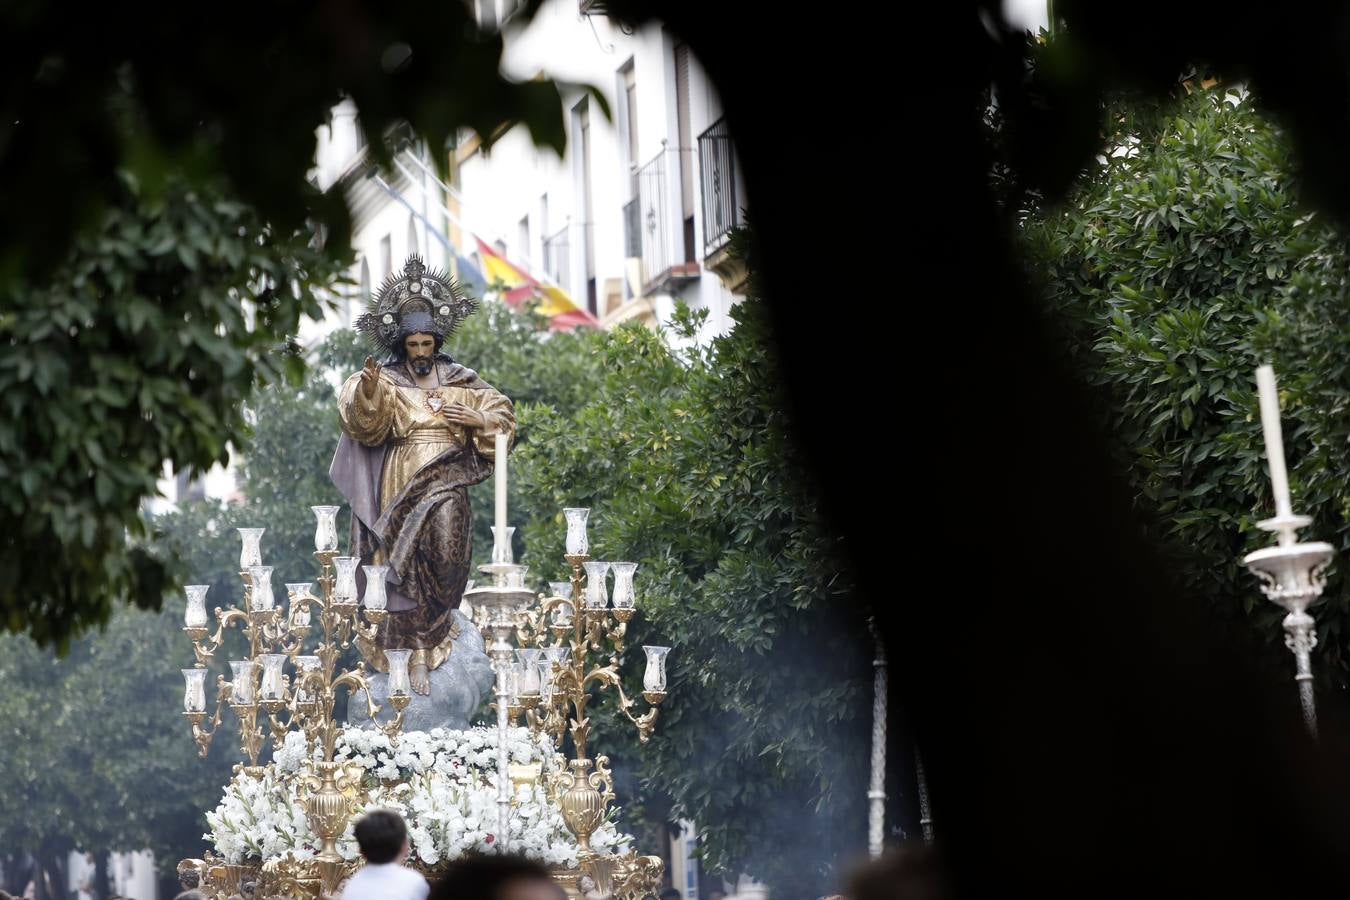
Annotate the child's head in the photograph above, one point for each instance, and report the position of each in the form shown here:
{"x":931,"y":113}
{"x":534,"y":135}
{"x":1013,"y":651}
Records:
{"x":381,"y":835}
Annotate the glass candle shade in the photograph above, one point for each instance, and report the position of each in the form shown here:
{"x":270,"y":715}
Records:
{"x":250,"y":552}
{"x":597,"y":588}
{"x":194,"y":615}
{"x":272,"y":688}
{"x":260,"y":596}
{"x":344,"y":591}
{"x":501,"y":544}
{"x":375,"y":597}
{"x":399,"y":685}
{"x":529,"y":670}
{"x":242,"y":692}
{"x":194,"y":690}
{"x":325,"y":527}
{"x":654,"y":679}
{"x":578,"y":544}
{"x":624,"y":597}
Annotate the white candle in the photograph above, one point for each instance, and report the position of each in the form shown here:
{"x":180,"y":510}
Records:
{"x":499,"y":459}
{"x":1270,"y":424}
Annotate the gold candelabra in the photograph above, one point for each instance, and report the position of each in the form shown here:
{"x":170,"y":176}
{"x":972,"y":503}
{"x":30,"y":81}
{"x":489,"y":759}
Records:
{"x":579,"y":640}
{"x":261,"y":693}
{"x":569,"y":645}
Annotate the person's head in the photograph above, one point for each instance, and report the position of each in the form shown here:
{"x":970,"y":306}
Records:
{"x":909,"y":870}
{"x":189,"y":875}
{"x":382,"y":836}
{"x":506,"y":877}
{"x":585,"y":882}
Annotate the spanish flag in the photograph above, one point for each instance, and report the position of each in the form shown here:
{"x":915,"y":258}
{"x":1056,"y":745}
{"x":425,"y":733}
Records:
{"x":554,"y":304}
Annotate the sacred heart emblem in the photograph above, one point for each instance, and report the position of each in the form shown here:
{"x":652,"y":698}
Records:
{"x":435,"y":402}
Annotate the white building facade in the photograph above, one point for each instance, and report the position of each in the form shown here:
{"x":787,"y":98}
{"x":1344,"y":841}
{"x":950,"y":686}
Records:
{"x":636,"y":214}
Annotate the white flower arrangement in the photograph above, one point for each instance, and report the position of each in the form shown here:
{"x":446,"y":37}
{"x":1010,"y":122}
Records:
{"x":442,"y":782}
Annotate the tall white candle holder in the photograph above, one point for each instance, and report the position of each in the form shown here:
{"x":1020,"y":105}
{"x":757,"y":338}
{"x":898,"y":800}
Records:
{"x":502,"y":605}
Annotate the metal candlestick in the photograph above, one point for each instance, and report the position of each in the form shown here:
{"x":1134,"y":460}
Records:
{"x":1293,"y":574}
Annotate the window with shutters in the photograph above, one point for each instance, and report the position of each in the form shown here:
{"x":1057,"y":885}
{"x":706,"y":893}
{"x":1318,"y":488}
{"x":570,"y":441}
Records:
{"x":583,"y":118}
{"x":629,"y":124}
{"x":685,"y":149}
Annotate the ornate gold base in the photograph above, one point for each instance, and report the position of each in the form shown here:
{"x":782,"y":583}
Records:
{"x":623,"y":877}
{"x":282,"y":877}
{"x":627,"y":877}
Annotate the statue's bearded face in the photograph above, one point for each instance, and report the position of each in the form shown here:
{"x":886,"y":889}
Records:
{"x":420,"y":350}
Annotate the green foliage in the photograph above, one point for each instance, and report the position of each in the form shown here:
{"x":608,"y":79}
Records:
{"x":95,"y":751}
{"x":141,"y":348}
{"x":682,"y":457}
{"x":284,"y":473}
{"x":145,"y":298}
{"x":1178,"y":266}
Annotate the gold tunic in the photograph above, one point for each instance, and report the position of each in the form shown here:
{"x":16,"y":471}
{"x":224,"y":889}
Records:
{"x":411,"y":423}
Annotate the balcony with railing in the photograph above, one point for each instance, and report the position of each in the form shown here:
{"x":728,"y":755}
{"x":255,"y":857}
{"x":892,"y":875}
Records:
{"x":721,"y":212}
{"x":721,"y":203}
{"x":660,"y":231}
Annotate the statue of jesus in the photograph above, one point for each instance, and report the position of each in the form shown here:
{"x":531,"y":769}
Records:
{"x":418,"y":429}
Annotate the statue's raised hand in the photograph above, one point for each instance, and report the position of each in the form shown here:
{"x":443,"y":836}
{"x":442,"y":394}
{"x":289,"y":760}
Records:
{"x":370,"y":376}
